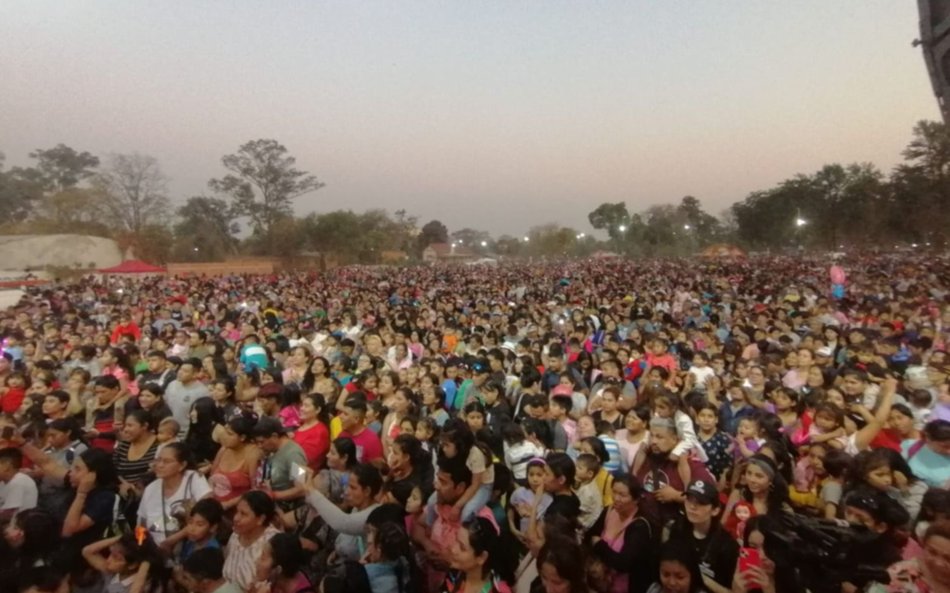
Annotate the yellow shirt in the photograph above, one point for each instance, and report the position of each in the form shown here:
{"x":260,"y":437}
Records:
{"x":605,"y":483}
{"x":336,"y":427}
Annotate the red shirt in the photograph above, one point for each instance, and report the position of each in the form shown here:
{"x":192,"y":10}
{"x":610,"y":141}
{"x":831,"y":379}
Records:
{"x":368,"y":446}
{"x":315,"y":442}
{"x":13,"y":399}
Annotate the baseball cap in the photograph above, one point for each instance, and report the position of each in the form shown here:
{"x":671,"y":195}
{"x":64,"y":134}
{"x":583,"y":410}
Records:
{"x":824,"y":351}
{"x":704,"y":492}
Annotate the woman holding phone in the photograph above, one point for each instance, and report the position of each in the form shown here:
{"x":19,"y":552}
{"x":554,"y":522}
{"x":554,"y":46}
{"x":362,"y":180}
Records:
{"x":760,"y":566}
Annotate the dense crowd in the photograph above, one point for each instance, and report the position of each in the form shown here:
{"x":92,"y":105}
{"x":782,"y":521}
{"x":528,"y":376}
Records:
{"x":623,"y":426}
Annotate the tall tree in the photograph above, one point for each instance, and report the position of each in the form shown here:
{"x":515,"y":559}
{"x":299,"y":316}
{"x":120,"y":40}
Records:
{"x":610,"y":217}
{"x":206,"y":229}
{"x":432,"y":232}
{"x":63,"y":167}
{"x":263,"y":182}
{"x":470,"y":237}
{"x":135,"y":191}
{"x":929,"y":149}
{"x":18,"y":195}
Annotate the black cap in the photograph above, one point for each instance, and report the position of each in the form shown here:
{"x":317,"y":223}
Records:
{"x":703,"y":492}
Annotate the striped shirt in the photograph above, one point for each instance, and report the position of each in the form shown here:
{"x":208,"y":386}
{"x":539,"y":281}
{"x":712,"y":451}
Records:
{"x":240,"y":563}
{"x":129,"y":470}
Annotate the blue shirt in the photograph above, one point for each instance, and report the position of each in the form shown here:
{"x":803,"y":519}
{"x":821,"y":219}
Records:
{"x":928,"y":465}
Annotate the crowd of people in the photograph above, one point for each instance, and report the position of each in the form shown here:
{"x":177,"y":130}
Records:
{"x":612,"y":426}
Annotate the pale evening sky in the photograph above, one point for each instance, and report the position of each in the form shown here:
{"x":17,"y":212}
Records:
{"x":495,"y":114}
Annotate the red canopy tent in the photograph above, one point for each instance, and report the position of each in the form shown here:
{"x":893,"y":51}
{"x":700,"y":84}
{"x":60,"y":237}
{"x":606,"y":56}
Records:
{"x":133,"y":266}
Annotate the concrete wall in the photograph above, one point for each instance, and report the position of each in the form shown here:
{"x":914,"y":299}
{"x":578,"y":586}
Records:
{"x":18,"y":252}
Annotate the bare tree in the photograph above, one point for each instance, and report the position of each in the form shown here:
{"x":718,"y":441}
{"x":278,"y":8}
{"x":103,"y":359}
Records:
{"x":135,"y":191}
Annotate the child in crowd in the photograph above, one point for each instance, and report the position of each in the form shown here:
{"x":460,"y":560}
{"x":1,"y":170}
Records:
{"x":168,"y":431}
{"x":716,"y":443}
{"x":668,"y":406}
{"x":700,"y":371}
{"x":592,"y":502}
{"x":604,"y":480}
{"x":828,"y":426}
{"x":886,"y":471}
{"x":130,"y":566}
{"x":921,"y":404}
{"x":605,"y":432}
{"x":202,"y":527}
{"x":735,"y":408}
{"x":458,"y":441}
{"x":748,"y":438}
{"x":519,"y":451}
{"x":426,"y":431}
{"x":375,"y":413}
{"x":786,"y":402}
{"x":565,"y":429}
{"x":521,"y":503}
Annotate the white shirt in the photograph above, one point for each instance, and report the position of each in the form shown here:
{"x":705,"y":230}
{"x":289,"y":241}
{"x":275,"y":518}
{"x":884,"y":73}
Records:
{"x":18,"y":494}
{"x":157,"y":513}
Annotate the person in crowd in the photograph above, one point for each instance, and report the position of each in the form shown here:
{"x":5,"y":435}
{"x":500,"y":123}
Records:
{"x":929,"y":458}
{"x":363,"y":487}
{"x":701,"y":530}
{"x":163,"y":507}
{"x":133,"y":458}
{"x":477,"y":560}
{"x":928,"y":572}
{"x":32,"y":538}
{"x":235,"y":466}
{"x":624,"y":538}
{"x":251,"y":531}
{"x":282,"y":459}
{"x":204,"y":573}
{"x":313,"y":434}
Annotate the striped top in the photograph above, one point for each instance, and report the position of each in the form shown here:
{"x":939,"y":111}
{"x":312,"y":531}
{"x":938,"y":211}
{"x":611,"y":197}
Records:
{"x":240,"y":562}
{"x":133,"y":471}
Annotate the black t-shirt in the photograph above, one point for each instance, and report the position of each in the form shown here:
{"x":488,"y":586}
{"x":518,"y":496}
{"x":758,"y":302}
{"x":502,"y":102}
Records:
{"x":100,"y":507}
{"x":717,"y":552}
{"x":566,"y":505}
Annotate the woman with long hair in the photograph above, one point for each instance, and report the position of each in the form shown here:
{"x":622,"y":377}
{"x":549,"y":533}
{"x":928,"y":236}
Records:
{"x":235,"y":465}
{"x":624,"y":537}
{"x":133,"y":457}
{"x":115,"y":363}
{"x":763,"y":492}
{"x":280,"y":567}
{"x":561,"y":568}
{"x":478,"y":561}
{"x":313,"y":434}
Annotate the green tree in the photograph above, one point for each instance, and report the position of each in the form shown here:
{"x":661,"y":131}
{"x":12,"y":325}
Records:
{"x":610,"y":217}
{"x":18,"y":194}
{"x":551,"y":240}
{"x":262,"y":183}
{"x":135,"y":191}
{"x":929,"y":149}
{"x":432,"y":232}
{"x":470,"y":237}
{"x":62,"y":167}
{"x":206,"y":230}
{"x":509,"y":246}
